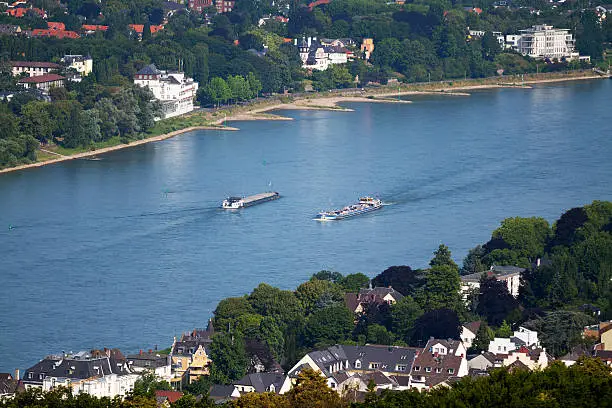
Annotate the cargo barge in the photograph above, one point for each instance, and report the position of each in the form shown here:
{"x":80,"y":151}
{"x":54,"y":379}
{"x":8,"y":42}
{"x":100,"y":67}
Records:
{"x":235,"y":203}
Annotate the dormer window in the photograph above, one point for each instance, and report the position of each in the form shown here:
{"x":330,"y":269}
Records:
{"x":401,"y":367}
{"x":417,"y":368}
{"x":438,"y":370}
{"x":428,"y":369}
{"x":374,"y":366}
{"x":357,"y":364}
{"x":451,"y":371}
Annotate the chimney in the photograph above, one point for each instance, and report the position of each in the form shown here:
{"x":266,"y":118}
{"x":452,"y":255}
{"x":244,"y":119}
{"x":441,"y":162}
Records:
{"x":309,"y":41}
{"x":16,"y":375}
{"x":140,"y":352}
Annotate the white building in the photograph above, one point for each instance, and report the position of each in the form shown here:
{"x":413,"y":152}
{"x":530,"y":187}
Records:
{"x":152,"y":361}
{"x":34,"y":68}
{"x":511,"y":275}
{"x":543,"y":41}
{"x":501,"y":345}
{"x":468,"y":333}
{"x":315,"y":55}
{"x":526,"y":337}
{"x":81,"y":64}
{"x":174,"y":90}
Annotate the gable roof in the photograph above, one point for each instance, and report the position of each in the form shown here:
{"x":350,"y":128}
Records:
{"x":262,"y":381}
{"x":439,"y":364}
{"x":473,"y":326}
{"x":40,"y":79}
{"x":171,"y":396}
{"x":35,"y":64}
{"x":379,"y":292}
{"x":150,"y":69}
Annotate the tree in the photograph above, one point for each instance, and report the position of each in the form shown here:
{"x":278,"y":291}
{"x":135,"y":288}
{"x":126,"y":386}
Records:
{"x":494,"y":300}
{"x":560,"y":330}
{"x":315,"y":294}
{"x":229,"y":360}
{"x":404,"y":314}
{"x":442,"y":256}
{"x":401,"y":278}
{"x":440,"y":324}
{"x":260,"y":400}
{"x":280,"y":304}
{"x":504,"y":330}
{"x":590,"y":41}
{"x":216,"y":92}
{"x":328,"y":326}
{"x":484,"y":335}
{"x":148,"y":383}
{"x":36,"y":122}
{"x":228,"y":310}
{"x":354,"y":282}
{"x":331,"y":276}
{"x":311,"y":390}
{"x":472,"y":263}
{"x":378,"y":334}
{"x":442,"y":288}
{"x":518,"y":240}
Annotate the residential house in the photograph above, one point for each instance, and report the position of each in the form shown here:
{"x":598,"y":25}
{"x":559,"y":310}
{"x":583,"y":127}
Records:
{"x":81,"y":64}
{"x":576,"y":353}
{"x":43,"y":82}
{"x":51,"y":25}
{"x":159,"y":364}
{"x":315,"y":55}
{"x":605,"y":356}
{"x":189,"y":356}
{"x":511,"y":275}
{"x":260,"y":382}
{"x":174,"y":90}
{"x":138,"y":29}
{"x":8,"y":29}
{"x":20,"y":12}
{"x":166,"y":398}
{"x":8,"y":384}
{"x":100,"y":374}
{"x":468,"y":333}
{"x":532,"y":357}
{"x":34,"y":68}
{"x":89,"y":29}
{"x":500,"y":345}
{"x":223,"y":393}
{"x":39,"y":32}
{"x":602,"y":11}
{"x":525,"y":337}
{"x":485,"y":360}
{"x":605,"y":339}
{"x":357,"y":302}
{"x":344,"y":366}
{"x":440,"y":362}
{"x":224,"y":6}
{"x":199,"y":5}
{"x":594,"y":331}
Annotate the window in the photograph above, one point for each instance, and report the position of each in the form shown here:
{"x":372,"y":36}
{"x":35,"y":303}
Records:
{"x":374,"y":365}
{"x":357,"y":364}
{"x":401,"y":367}
{"x":438,"y":370}
{"x":333,"y":385}
{"x":417,"y":368}
{"x":428,"y":369}
{"x":451,"y":371}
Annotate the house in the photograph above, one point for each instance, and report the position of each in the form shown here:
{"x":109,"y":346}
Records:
{"x":339,"y":363}
{"x":43,"y":82}
{"x":605,"y":356}
{"x":511,"y":275}
{"x":500,"y":345}
{"x":602,"y":11}
{"x":225,"y":6}
{"x":315,"y":55}
{"x":89,"y":29}
{"x":468,"y":333}
{"x":159,"y":364}
{"x":223,"y":393}
{"x":576,"y":353}
{"x":440,"y":362}
{"x":525,"y":337}
{"x":8,"y":384}
{"x":533,"y":357}
{"x":81,"y":64}
{"x":174,"y":90}
{"x":199,"y":5}
{"x":260,"y":382}
{"x":357,"y":302}
{"x":139,"y":29}
{"x":39,"y":32}
{"x":8,"y":29}
{"x":21,"y":12}
{"x":33,"y":68}
{"x":545,"y":42}
{"x":98,"y":373}
{"x":56,"y":26}
{"x":605,"y":338}
{"x":189,"y":356}
{"x":165,"y":398}
{"x":485,"y":360}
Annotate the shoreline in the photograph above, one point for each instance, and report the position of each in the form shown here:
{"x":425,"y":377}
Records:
{"x":321,"y":101}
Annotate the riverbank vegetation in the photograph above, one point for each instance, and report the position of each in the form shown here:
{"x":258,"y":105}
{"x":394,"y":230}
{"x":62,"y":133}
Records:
{"x":235,"y":57}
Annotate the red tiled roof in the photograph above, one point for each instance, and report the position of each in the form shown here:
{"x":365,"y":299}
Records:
{"x":172,"y":396}
{"x":38,"y":32}
{"x":139,"y":28}
{"x":41,"y":79}
{"x":20,"y":12}
{"x":56,"y":26}
{"x":35,"y":64}
{"x":94,"y":27}
{"x":317,"y":3}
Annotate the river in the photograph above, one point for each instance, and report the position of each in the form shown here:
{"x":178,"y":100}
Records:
{"x":132,"y":249}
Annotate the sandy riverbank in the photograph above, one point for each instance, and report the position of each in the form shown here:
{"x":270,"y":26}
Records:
{"x":324,"y":101}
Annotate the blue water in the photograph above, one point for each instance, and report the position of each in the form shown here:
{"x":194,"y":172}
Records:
{"x":130,"y":250}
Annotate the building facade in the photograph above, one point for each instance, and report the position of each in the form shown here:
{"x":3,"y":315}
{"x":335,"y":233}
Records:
{"x":34,"y":68}
{"x":80,"y":63}
{"x":43,"y":82}
{"x":545,"y":42}
{"x":174,"y":90}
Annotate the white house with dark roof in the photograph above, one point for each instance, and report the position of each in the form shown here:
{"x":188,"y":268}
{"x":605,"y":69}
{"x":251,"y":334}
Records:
{"x":468,"y":333}
{"x":440,"y":361}
{"x":344,"y":366}
{"x":34,"y":68}
{"x":260,"y":382}
{"x":159,"y":364}
{"x":356,"y":302}
{"x":174,"y":90}
{"x":511,"y":275}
